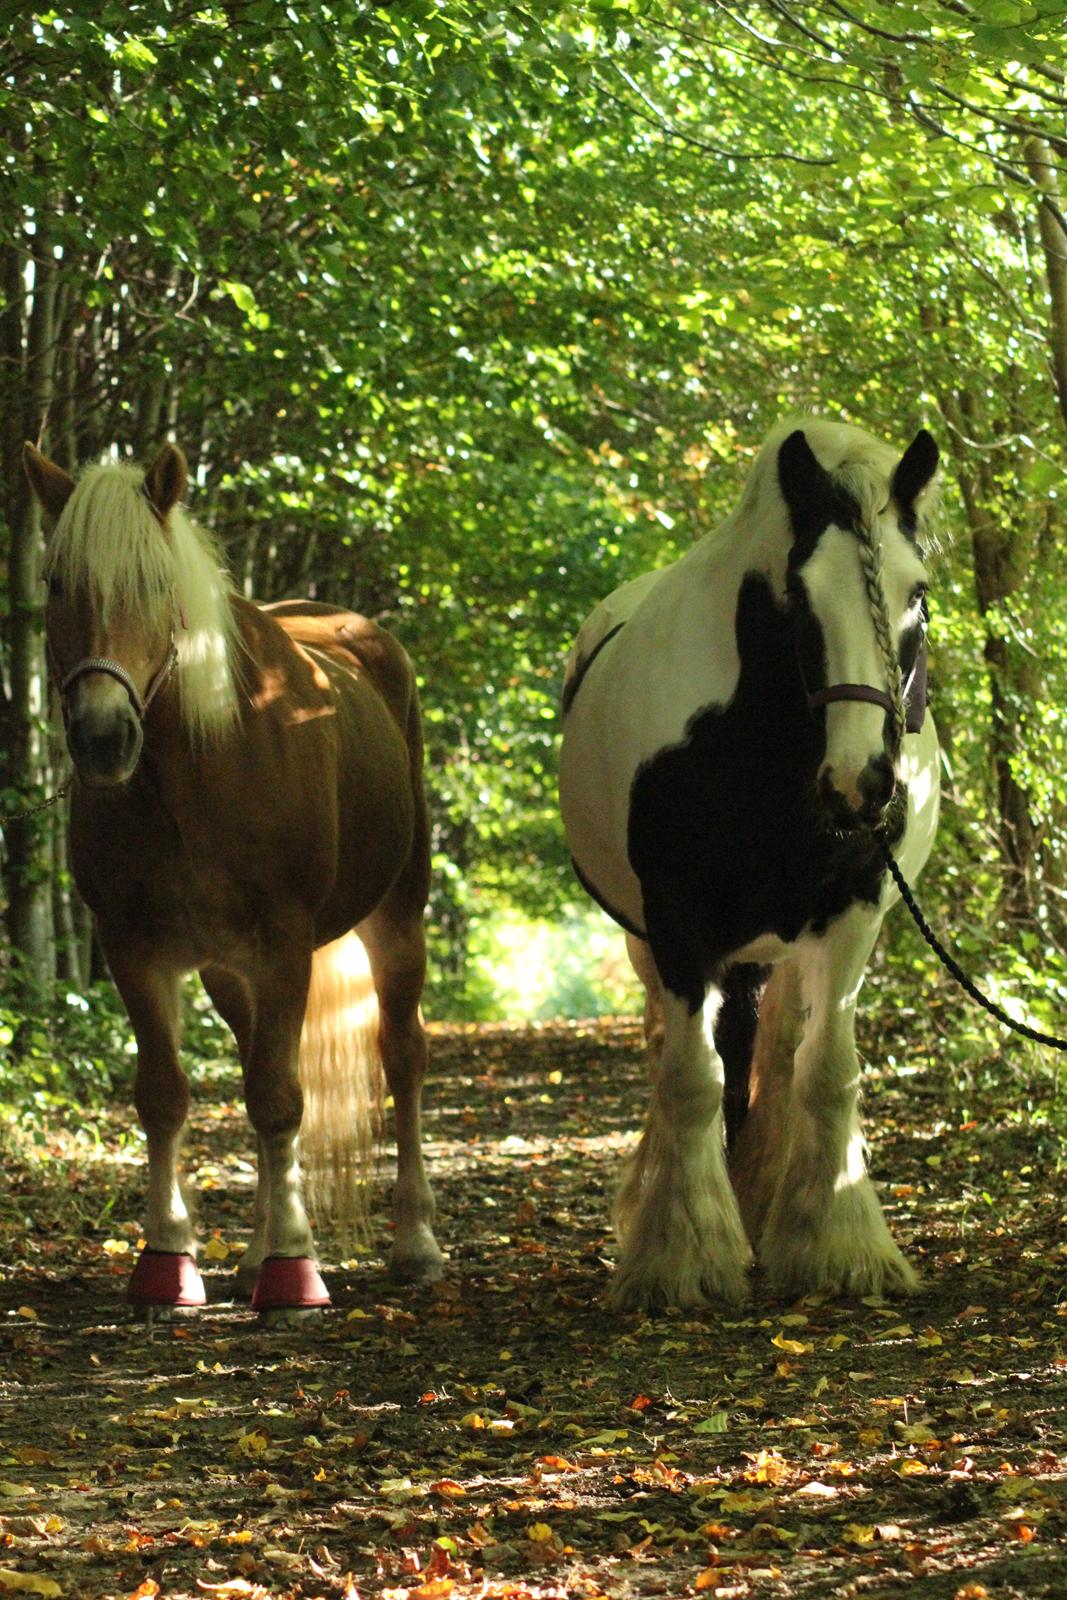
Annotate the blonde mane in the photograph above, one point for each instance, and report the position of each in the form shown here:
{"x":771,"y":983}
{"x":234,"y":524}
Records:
{"x":109,"y":542}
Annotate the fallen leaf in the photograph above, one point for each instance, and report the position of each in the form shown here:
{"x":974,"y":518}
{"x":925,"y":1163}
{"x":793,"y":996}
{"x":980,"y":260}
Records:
{"x":28,"y":1583}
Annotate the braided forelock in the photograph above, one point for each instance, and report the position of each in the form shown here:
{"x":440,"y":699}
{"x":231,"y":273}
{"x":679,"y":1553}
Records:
{"x":870,"y":547}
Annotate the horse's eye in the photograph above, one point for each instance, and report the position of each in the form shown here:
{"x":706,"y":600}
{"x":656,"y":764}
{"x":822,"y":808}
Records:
{"x":917,"y":596}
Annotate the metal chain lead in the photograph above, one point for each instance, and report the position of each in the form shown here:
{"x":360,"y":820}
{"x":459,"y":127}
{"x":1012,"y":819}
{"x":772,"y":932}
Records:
{"x":32,"y":811}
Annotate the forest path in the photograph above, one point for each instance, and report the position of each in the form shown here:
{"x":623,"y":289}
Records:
{"x":503,"y":1435}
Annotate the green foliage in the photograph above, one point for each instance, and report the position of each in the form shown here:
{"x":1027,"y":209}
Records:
{"x":465,"y":313}
{"x":69,"y":1056}
{"x":532,"y":969}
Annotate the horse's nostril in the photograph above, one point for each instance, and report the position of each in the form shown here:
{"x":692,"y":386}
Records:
{"x":866,"y":800}
{"x":103,"y":749}
{"x":877,"y":783}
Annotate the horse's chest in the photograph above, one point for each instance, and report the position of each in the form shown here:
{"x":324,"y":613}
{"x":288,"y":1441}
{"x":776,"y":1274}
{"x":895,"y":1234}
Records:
{"x":727,"y":825}
{"x":186,"y":910}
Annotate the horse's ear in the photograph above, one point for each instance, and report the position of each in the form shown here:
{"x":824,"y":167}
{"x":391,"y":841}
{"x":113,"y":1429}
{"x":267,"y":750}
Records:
{"x":914,"y":471}
{"x":165,"y":480}
{"x":807,"y":488}
{"x":52,"y":486}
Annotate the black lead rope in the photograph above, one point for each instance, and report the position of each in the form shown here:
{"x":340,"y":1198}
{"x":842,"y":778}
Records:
{"x":952,"y":965}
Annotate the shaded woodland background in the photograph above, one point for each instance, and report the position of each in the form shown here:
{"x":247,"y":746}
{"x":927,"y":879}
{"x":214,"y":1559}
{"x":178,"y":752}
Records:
{"x":466,"y":312}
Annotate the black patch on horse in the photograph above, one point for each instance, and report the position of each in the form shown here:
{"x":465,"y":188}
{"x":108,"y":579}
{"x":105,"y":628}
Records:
{"x":726,"y":832}
{"x":735,"y":1036}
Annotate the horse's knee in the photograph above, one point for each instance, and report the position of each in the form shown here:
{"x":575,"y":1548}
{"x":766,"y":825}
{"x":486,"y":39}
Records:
{"x":161,"y":1096}
{"x":275,"y":1110}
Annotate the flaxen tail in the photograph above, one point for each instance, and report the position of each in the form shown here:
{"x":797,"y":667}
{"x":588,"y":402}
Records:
{"x":341,"y":1076}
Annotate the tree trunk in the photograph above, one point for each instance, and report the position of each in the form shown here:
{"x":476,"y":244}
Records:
{"x":1040,"y":161}
{"x":1001,"y":547}
{"x":29,"y":912}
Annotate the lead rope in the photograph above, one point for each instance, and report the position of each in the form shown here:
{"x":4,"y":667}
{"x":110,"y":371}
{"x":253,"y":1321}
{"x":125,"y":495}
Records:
{"x":952,"y":966}
{"x":871,"y":558}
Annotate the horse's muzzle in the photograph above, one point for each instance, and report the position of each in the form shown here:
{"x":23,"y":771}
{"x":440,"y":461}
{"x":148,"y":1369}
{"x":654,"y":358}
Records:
{"x":866,"y":803}
{"x":105,"y":745}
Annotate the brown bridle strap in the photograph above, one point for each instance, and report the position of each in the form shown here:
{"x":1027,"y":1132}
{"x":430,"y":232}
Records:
{"x":115,"y":669}
{"x":850,"y":691}
{"x":914,"y":693}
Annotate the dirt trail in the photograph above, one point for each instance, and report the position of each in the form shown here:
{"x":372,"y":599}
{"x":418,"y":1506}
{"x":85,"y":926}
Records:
{"x":504,"y":1436}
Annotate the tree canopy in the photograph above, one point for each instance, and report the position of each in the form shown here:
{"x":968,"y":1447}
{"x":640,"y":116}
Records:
{"x":465,"y":312}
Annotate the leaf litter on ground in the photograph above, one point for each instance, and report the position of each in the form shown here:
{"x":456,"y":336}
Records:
{"x":502,"y":1435}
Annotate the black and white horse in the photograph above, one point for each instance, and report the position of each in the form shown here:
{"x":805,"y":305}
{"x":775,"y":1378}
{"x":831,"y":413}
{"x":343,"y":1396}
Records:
{"x":740,"y":730}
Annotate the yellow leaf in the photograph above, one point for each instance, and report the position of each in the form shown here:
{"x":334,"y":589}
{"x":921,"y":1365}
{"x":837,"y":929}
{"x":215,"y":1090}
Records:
{"x":743,"y":1501}
{"x":794,"y":1346}
{"x":28,"y":1312}
{"x":710,"y":1578}
{"x":915,"y":1432}
{"x":250,"y":1444}
{"x":540,"y":1533}
{"x":216,"y":1249}
{"x":859,"y":1533}
{"x":769,"y":1468}
{"x":28,"y":1583}
{"x":910,"y":1468}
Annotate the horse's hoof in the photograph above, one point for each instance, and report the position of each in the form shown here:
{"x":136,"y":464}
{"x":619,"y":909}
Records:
{"x":289,"y":1283}
{"x":165,"y":1279}
{"x":282,"y":1317}
{"x":417,"y":1270}
{"x":416,"y":1256}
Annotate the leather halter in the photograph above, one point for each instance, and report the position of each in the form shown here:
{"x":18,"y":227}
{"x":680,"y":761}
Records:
{"x":914,"y":693}
{"x":115,"y":669}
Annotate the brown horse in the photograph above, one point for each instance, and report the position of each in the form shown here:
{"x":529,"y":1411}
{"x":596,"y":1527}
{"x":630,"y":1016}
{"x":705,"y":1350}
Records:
{"x":248,"y":803}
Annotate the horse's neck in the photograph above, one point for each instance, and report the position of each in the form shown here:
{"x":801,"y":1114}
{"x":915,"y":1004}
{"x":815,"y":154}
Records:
{"x":712,"y":571}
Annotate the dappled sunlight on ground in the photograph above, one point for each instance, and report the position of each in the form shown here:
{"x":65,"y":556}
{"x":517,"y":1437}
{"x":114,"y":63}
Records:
{"x":501,"y":1435}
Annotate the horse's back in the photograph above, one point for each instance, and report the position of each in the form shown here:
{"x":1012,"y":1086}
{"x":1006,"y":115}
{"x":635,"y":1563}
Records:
{"x":355,"y":643}
{"x":331,"y":735}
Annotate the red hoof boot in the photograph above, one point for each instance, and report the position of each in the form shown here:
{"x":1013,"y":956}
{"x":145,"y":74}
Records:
{"x":289,"y":1283}
{"x":165,"y":1278}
